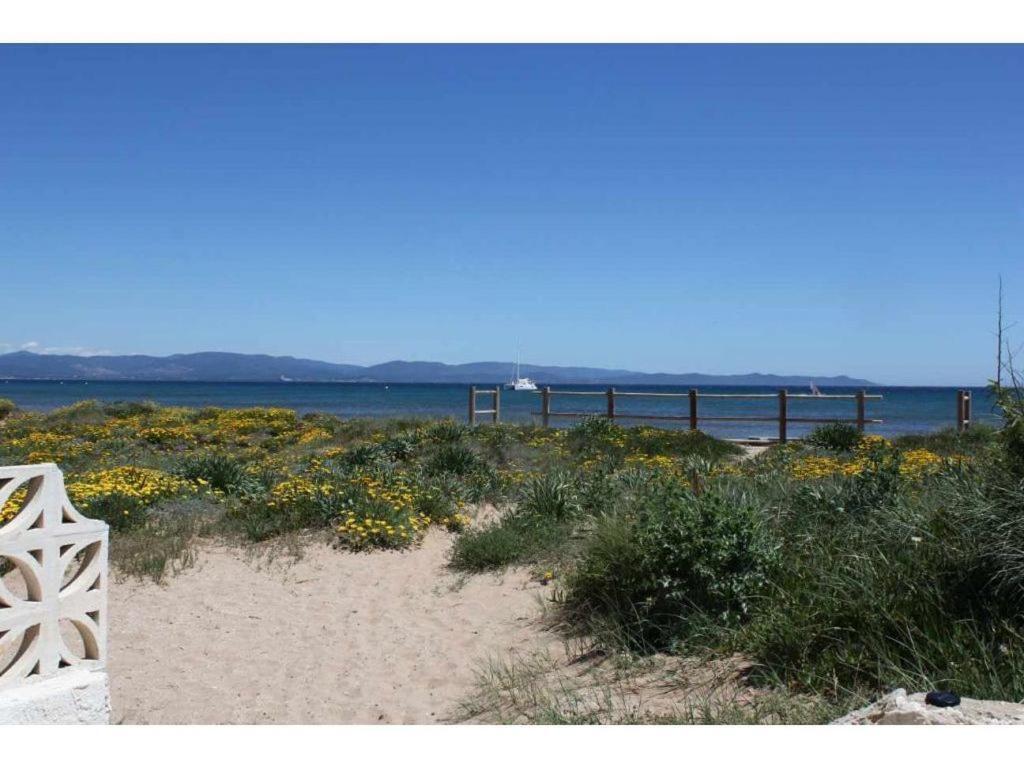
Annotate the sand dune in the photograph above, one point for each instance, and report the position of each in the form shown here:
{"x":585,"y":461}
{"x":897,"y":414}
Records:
{"x":336,"y":637}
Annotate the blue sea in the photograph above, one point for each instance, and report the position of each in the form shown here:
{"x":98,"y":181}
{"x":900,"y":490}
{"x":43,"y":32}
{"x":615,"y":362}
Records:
{"x":902,"y":409}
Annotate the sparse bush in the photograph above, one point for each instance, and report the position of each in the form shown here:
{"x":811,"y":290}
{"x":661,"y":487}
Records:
{"x":494,"y":547}
{"x":836,"y":436}
{"x":6,"y":407}
{"x":517,"y":539}
{"x":164,"y":543}
{"x":537,"y":529}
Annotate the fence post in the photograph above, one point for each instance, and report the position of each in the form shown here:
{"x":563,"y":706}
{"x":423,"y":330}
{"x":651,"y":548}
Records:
{"x":860,"y":410}
{"x":472,"y":406}
{"x":959,"y":410}
{"x":545,"y":405}
{"x":967,"y":409}
{"x":495,"y":418}
{"x":611,"y":403}
{"x":693,"y":409}
{"x":782,"y":416}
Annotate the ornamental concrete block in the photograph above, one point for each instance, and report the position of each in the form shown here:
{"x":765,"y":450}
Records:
{"x":53,"y":602}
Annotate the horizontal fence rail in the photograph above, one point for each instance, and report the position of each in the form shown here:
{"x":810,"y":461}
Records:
{"x":693,"y":416}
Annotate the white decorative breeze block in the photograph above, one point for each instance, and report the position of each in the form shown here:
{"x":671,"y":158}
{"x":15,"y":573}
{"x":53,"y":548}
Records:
{"x":60,"y":564}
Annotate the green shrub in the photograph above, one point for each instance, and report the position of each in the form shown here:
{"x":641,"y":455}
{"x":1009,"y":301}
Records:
{"x":325,"y":421}
{"x":6,"y":407}
{"x":679,"y":442}
{"x":365,"y":455}
{"x":836,"y":436}
{"x":125,"y":408}
{"x":454,"y":458}
{"x":220,"y":471}
{"x":669,"y":563}
{"x":401,"y":447}
{"x":446,"y":431}
{"x":948,"y":442}
{"x":594,"y":434}
{"x":82,"y":412}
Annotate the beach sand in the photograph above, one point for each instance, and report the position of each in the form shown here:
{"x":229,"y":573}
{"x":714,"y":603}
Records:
{"x":333,"y":637}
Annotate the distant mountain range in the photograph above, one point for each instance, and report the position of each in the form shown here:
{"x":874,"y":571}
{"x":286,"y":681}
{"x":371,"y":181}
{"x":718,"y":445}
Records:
{"x":229,"y":366}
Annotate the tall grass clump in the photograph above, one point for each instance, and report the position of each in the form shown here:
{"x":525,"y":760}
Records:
{"x":6,"y":407}
{"x":164,"y":544}
{"x":537,"y":529}
{"x":920,"y":592}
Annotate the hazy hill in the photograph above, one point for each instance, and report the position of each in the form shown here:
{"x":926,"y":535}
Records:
{"x":229,"y":366}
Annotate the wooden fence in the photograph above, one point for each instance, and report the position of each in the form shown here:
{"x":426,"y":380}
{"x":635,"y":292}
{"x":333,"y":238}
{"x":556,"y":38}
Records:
{"x":612,"y":395}
{"x":693,"y":415}
{"x":494,"y":410}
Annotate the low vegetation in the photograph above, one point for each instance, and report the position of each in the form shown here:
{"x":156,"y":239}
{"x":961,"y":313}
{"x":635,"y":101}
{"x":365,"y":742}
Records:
{"x":840,"y":566}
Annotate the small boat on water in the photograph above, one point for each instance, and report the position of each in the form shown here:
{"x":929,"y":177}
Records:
{"x":814,"y":390}
{"x":520,"y":383}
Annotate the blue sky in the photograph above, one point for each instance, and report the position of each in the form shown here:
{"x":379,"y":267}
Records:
{"x":724,"y":209}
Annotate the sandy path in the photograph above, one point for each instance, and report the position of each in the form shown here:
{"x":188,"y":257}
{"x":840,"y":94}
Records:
{"x":386,"y":637}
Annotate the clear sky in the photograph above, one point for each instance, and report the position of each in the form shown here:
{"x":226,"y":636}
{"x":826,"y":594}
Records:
{"x":722,"y":209}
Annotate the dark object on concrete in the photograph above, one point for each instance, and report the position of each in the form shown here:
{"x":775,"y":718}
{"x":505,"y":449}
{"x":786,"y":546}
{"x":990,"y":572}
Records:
{"x":942,"y":699}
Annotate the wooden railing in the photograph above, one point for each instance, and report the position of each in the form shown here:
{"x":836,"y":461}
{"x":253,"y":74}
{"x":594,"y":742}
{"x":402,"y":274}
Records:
{"x":494,"y":410}
{"x":694,"y":418}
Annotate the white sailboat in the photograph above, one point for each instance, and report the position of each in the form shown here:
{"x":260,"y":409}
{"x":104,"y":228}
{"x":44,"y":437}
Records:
{"x":520,"y":383}
{"x":814,"y":390}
